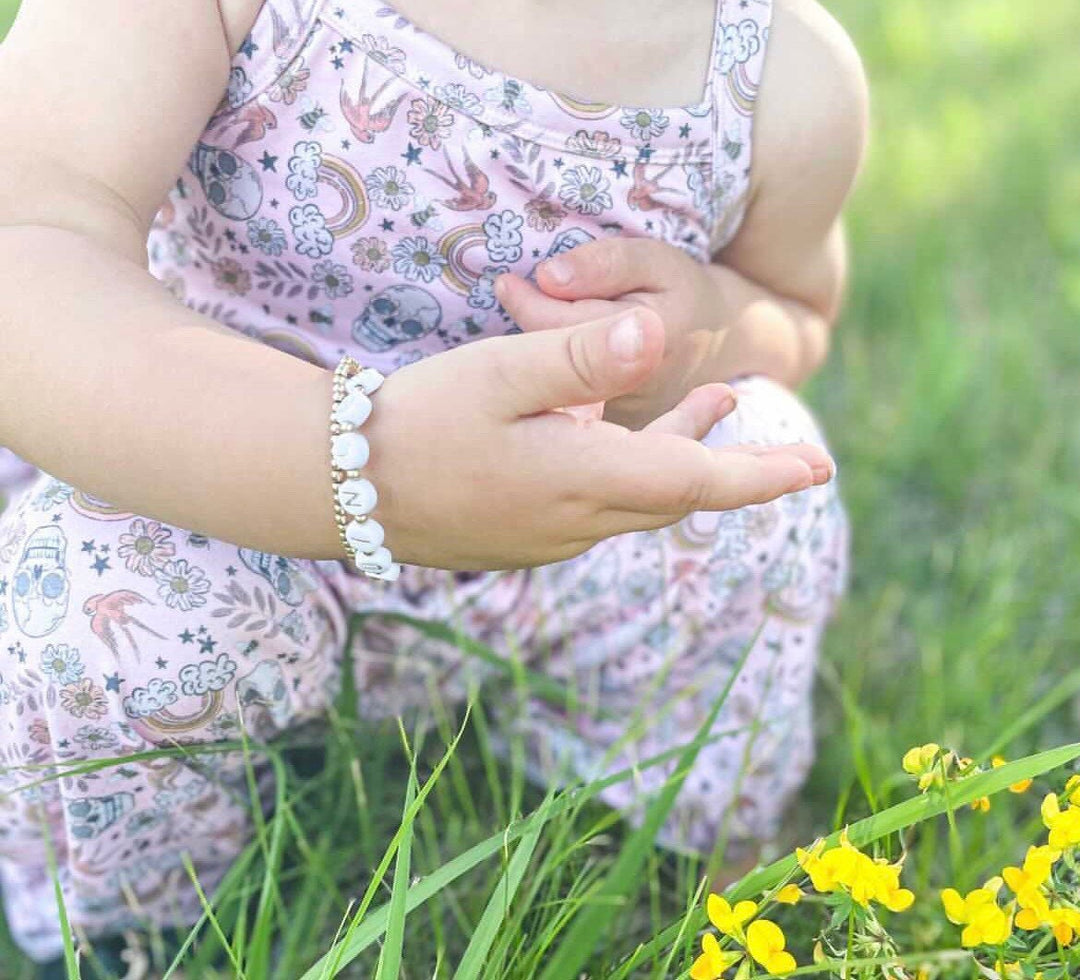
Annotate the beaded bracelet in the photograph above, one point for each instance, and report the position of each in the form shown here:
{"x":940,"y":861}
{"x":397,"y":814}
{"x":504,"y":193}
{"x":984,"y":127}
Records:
{"x":354,"y":497}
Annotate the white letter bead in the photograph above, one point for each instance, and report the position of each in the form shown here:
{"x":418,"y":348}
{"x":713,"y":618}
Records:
{"x":357,"y":497}
{"x":390,"y":575}
{"x":349,"y":451}
{"x":366,"y":380}
{"x":364,"y":536}
{"x":353,"y":409}
{"x":377,"y":563}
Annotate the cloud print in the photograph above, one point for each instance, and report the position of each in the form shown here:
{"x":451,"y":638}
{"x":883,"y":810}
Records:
{"x":143,"y":701}
{"x":207,"y":675}
{"x":304,"y":169}
{"x":313,"y":238}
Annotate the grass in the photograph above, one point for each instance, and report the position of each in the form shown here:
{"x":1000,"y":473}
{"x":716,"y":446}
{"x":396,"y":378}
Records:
{"x":951,"y":400}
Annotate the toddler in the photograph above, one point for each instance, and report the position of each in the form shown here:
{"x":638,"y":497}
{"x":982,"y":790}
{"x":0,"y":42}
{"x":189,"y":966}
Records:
{"x":325,"y":179}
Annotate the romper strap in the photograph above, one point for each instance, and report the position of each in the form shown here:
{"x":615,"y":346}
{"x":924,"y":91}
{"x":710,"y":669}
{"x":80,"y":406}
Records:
{"x":740,"y":40}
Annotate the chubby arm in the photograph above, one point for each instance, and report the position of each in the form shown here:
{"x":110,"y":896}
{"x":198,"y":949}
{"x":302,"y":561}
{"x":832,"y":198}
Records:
{"x":780,"y":281}
{"x":105,"y":380}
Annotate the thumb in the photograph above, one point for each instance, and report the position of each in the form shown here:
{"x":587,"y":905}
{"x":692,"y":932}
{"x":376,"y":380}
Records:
{"x":578,"y":365}
{"x":532,"y":309}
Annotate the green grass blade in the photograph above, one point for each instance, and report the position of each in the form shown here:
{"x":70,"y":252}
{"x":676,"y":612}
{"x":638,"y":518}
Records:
{"x":390,"y":960}
{"x":486,"y":929}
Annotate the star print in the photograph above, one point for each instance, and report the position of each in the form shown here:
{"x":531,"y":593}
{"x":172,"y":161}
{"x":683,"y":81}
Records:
{"x":248,"y":48}
{"x":230,"y":234}
{"x":100,"y":565}
{"x":557,"y":163}
{"x":63,"y":743}
{"x":104,"y":549}
{"x":412,"y":154}
{"x":644,"y":154}
{"x":230,"y":571}
{"x":424,"y":82}
{"x":339,"y":11}
{"x":273,"y":202}
{"x":244,"y":249}
{"x":494,"y":154}
{"x":291,"y":318}
{"x":16,"y":650}
{"x":619,"y":168}
{"x":536,"y":253}
{"x":88,"y":547}
{"x":113,"y":682}
{"x":648,"y":225}
{"x":202,"y":629}
{"x":268,"y":162}
{"x":345,"y":144}
{"x":337,"y":61}
{"x":161,"y":663}
{"x":56,"y":517}
{"x":684,"y":130}
{"x":387,"y":224}
{"x":207,"y":645}
{"x":346,"y":45}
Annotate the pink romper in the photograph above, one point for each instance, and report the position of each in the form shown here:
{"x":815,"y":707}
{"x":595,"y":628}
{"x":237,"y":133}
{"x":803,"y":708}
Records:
{"x":357,"y":191}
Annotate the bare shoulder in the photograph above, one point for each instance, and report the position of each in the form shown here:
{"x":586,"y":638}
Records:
{"x":811,"y":117}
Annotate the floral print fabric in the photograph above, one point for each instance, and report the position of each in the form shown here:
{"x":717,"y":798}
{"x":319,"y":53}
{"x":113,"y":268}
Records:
{"x":356,"y":192}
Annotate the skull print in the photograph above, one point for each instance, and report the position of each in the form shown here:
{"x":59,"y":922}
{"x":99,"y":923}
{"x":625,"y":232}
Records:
{"x":231,"y":185}
{"x":397,"y":314}
{"x":41,"y":587}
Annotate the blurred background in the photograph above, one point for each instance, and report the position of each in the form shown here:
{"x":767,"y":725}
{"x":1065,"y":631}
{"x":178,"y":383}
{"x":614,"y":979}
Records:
{"x":952,"y":399}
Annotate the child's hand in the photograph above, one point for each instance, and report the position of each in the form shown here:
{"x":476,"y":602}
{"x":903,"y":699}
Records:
{"x":598,"y":279}
{"x":477,"y":469}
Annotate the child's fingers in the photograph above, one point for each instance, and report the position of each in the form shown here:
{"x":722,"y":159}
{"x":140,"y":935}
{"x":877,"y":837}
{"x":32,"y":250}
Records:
{"x":532,"y":310}
{"x":612,"y":267}
{"x":697,"y":413}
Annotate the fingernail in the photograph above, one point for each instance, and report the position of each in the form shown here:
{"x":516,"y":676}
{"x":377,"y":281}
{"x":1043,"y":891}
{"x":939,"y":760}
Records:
{"x":626,"y":338}
{"x":559,"y":271}
{"x":823,"y":472}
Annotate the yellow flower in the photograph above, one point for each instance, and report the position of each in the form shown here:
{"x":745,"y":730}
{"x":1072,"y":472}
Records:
{"x":1036,"y":870}
{"x":1072,"y":790}
{"x":1065,"y":923}
{"x":923,"y":761}
{"x":1021,"y":787}
{"x":713,"y":960}
{"x":1064,"y":825}
{"x":1034,"y":909}
{"x":982,"y":804}
{"x":765,"y":942}
{"x":728,"y":920}
{"x":789,"y":895}
{"x":889,"y":892}
{"x":985,"y":923}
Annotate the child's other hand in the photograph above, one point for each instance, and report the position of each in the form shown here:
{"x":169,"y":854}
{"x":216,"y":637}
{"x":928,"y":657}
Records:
{"x":476,"y":467}
{"x":600,"y":278}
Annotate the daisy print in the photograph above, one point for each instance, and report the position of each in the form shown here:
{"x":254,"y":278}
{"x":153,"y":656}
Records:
{"x":182,"y":585}
{"x":585,"y":190}
{"x":456,"y":96}
{"x":594,"y":144}
{"x":645,"y":124}
{"x":145,"y":547}
{"x":371,"y":255}
{"x":61,"y":663}
{"x":430,"y":122}
{"x":267,"y":236}
{"x":381,"y":50}
{"x":231,"y":276}
{"x":332,"y":278}
{"x":84,"y":699}
{"x":416,"y":258}
{"x":389,"y":187}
